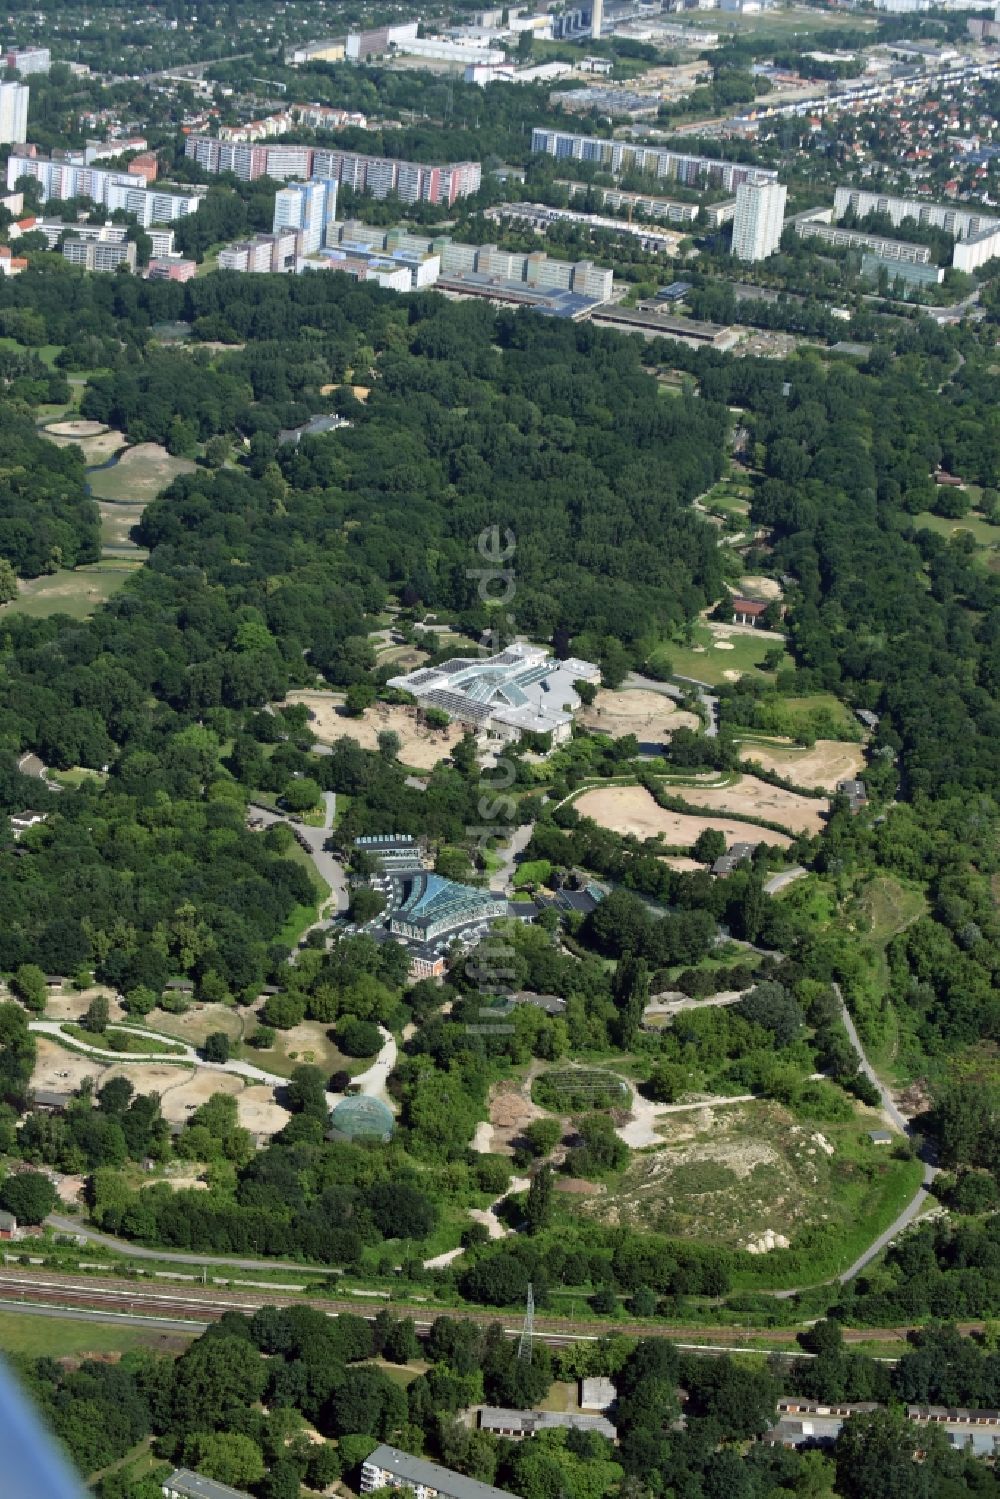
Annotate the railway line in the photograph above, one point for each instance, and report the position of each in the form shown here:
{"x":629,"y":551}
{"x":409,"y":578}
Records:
{"x":200,"y":1306}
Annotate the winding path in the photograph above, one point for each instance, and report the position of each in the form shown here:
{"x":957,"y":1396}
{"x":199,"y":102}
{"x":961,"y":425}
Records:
{"x":371,"y":1082}
{"x":916,"y":1205}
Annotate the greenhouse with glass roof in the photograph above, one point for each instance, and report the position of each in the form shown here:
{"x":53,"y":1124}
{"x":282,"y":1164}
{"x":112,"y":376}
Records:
{"x":360,"y":1117}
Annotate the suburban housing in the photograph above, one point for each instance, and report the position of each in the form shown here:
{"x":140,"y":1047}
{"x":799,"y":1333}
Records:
{"x":184,"y":1483}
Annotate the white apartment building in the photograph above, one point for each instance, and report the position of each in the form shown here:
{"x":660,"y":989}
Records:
{"x":308,"y":207}
{"x":99,"y":255}
{"x":263,"y":254}
{"x":26,"y":60}
{"x":977,"y":235}
{"x":127,"y":190}
{"x":758,"y":220}
{"x":13,"y":114}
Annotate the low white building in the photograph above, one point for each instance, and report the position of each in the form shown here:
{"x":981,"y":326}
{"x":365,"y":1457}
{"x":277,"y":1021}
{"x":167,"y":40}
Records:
{"x":520,"y":690}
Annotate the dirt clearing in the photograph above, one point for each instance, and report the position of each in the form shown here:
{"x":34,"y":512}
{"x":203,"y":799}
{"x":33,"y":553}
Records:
{"x":755,"y":587}
{"x":140,"y":474}
{"x":75,"y":429}
{"x":258,"y":1111}
{"x":800,"y":814}
{"x":421,"y":747}
{"x":829,"y":761}
{"x":650,"y":716}
{"x":196,"y":1088}
{"x":631,"y":809}
{"x":59,"y":1070}
{"x":96,"y":448}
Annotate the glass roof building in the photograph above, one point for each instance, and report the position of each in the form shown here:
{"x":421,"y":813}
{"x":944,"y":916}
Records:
{"x":360,"y":1117}
{"x":521,"y":689}
{"x":433,"y":905}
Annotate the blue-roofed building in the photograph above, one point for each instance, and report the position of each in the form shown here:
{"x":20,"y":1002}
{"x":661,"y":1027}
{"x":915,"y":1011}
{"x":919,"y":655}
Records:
{"x":433,"y":906}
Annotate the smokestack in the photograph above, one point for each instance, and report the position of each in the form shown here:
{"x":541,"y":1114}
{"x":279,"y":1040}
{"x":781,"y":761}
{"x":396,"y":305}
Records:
{"x":596,"y":19}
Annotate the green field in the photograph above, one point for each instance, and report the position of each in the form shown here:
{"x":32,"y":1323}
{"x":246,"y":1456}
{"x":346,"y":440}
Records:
{"x":46,"y":352}
{"x":817,"y":715}
{"x":706,"y":662}
{"x":139,"y":475}
{"x":74,"y":591}
{"x":59,"y":1337}
{"x":139,"y":1046}
{"x":982,"y":531}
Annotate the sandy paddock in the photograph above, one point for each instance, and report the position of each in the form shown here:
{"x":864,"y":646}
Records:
{"x":197,"y":1023}
{"x":95,"y":450}
{"x":761,"y":588}
{"x":185,"y":1095}
{"x":73,"y":1006}
{"x":73,"y":429}
{"x":631,"y":809}
{"x":800,"y":814}
{"x":421,"y":747}
{"x":258,"y":1111}
{"x":680,"y":864}
{"x":829,"y":761}
{"x":650,"y":716}
{"x":61,"y":1071}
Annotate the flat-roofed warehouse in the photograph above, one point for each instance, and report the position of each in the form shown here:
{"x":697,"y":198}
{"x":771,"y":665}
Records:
{"x":521,"y":690}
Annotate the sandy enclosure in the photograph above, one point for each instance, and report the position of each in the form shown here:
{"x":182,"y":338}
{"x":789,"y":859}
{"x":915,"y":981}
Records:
{"x":95,"y":449}
{"x":800,"y":814}
{"x":423,"y":748}
{"x":647,"y":715}
{"x":829,"y":761}
{"x":756,"y":587}
{"x":630,"y":809}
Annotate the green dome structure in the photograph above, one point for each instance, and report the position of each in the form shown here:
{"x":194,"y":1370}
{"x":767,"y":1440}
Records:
{"x":360,"y":1117}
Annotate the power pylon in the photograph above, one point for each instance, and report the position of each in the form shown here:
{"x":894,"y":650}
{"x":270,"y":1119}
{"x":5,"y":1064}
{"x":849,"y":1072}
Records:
{"x":528,"y":1330}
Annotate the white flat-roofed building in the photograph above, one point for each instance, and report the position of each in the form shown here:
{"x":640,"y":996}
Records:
{"x":28,"y":60}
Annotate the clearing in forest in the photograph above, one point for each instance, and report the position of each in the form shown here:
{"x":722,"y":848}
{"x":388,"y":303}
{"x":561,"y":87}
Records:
{"x":421,"y":747}
{"x":631,"y":809}
{"x":752,"y":1176}
{"x":139,"y":474}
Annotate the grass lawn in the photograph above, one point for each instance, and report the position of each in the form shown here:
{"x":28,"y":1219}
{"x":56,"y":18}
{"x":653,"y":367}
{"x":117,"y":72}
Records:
{"x":139,"y":475}
{"x":817,"y":715}
{"x":143,"y":1046}
{"x":704,"y":659}
{"x":74,"y":591}
{"x":982,"y":531}
{"x":77,"y":775}
{"x":56,"y":1337}
{"x":401,"y":1374}
{"x":308,"y":1042}
{"x":46,"y":352}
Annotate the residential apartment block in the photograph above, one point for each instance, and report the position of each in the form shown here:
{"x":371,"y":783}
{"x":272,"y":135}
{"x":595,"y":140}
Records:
{"x":27,"y":60}
{"x":535,"y":270}
{"x":627,"y":156}
{"x":113,"y":234}
{"x":375,"y":43}
{"x":99,"y":255}
{"x":175,"y":269}
{"x":815,"y":224}
{"x":759,"y":219}
{"x":60,"y":178}
{"x":413,"y":181}
{"x":388,"y":1468}
{"x":307,"y":206}
{"x":264,"y":253}
{"x":977,"y":235}
{"x":13,"y":114}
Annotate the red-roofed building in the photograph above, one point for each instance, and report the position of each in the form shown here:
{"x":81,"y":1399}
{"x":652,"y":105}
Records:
{"x":748,"y":611}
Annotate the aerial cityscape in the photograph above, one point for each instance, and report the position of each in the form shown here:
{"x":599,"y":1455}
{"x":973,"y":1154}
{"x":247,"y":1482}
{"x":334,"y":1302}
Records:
{"x":500,"y":750}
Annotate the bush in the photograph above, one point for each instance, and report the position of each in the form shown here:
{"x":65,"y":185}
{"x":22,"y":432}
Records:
{"x":30,"y":1196}
{"x":284,"y":1010}
{"x":217,"y":1047}
{"x":358,"y":1038}
{"x":263,"y":1037}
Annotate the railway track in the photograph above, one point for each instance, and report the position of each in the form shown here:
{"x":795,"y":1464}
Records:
{"x":203,"y":1305}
